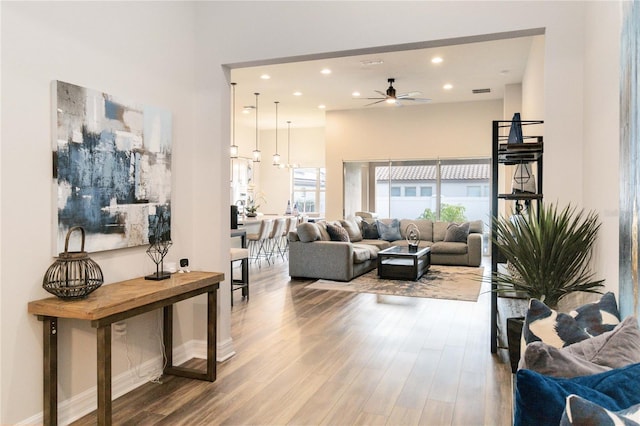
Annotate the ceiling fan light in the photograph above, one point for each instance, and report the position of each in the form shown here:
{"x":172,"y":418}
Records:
{"x":391,"y":101}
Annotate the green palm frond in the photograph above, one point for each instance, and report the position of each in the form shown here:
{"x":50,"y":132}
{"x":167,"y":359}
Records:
{"x":551,"y":251}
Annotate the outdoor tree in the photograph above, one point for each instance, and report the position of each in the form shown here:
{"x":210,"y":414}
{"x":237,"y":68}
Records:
{"x":448,"y":213}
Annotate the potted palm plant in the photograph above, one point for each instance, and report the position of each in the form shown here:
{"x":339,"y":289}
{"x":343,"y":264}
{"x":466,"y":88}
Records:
{"x":549,"y":253}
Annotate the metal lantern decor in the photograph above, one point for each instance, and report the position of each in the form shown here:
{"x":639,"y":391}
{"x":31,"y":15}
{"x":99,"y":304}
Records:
{"x":74,"y":275}
{"x":413,"y":236}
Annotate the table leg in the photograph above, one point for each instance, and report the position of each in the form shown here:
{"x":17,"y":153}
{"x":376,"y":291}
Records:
{"x":104,"y":375}
{"x":211,"y":334}
{"x":167,"y":334}
{"x":50,"y":370}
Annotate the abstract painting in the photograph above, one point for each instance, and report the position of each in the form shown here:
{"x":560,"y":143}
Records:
{"x":112,"y":161}
{"x":629,"y":264}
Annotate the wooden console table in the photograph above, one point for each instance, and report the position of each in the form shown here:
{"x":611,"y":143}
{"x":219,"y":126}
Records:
{"x":116,"y":302}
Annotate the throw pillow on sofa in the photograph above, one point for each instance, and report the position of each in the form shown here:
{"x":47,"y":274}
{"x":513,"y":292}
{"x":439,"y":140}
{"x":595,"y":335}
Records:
{"x":337,"y":233}
{"x":559,"y":329}
{"x":612,"y":349}
{"x":389,"y":232}
{"x":540,"y":400}
{"x":457,"y":233}
{"x":308,"y":232}
{"x":581,"y":412}
{"x":352,"y":229}
{"x":370,"y":230}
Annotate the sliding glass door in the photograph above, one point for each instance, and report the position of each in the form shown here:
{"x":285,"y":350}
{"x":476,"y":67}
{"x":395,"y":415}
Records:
{"x":450,"y":190}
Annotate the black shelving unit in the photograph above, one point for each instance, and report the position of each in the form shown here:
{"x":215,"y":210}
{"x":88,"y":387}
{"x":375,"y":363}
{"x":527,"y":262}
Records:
{"x":510,"y":154}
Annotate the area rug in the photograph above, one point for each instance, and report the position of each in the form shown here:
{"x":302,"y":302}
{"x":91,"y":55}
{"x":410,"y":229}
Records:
{"x":440,"y":282}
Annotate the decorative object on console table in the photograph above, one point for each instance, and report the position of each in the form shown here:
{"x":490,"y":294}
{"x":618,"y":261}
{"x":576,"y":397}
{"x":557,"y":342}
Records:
{"x":413,"y":237}
{"x":158,"y":250}
{"x":74,"y":275}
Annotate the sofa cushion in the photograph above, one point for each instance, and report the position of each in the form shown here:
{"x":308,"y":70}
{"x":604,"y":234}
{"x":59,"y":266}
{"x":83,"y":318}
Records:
{"x":337,"y":233}
{"x":361,"y":254}
{"x":425,"y":227}
{"x":379,"y":244}
{"x":476,"y":227}
{"x":559,"y":329}
{"x":373,"y":250}
{"x":612,"y":349}
{"x":540,"y":399}
{"x":448,"y":248}
{"x":353,"y":229}
{"x":582,"y":412}
{"x":389,"y":231}
{"x":308,"y":232}
{"x":322,"y":228}
{"x":370,"y":230}
{"x":457,"y":233}
{"x":439,"y":231}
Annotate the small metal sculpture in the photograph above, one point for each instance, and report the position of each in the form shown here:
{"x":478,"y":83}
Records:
{"x":413,"y":236}
{"x":160,"y":243}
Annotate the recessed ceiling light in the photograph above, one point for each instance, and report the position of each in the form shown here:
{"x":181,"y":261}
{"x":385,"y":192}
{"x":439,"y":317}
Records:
{"x":265,"y":76}
{"x":297,"y":93}
{"x":504,"y":72}
{"x":326,"y":71}
{"x":371,"y":62}
{"x":447,"y":86}
{"x":436,"y":60}
{"x":322,"y":106}
{"x":355,"y":94}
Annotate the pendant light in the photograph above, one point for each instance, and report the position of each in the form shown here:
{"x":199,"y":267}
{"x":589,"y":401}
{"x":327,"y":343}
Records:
{"x":276,"y":156}
{"x":256,"y":152}
{"x":233,"y":150}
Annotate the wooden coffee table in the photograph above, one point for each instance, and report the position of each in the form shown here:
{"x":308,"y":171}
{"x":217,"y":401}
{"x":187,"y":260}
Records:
{"x":401,"y":263}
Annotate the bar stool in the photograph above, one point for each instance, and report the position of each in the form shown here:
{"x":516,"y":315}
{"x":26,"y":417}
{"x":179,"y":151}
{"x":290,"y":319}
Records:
{"x":275,"y":238}
{"x":292,"y":224}
{"x":259,"y":242}
{"x":240,"y":254}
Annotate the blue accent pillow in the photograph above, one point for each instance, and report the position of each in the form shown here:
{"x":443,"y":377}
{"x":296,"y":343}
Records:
{"x":390,"y":232}
{"x":540,"y":400}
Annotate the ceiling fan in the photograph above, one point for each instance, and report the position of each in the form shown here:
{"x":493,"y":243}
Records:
{"x":392,"y":98}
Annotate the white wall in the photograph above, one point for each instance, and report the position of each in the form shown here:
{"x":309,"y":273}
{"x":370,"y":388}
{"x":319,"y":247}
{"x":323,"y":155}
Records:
{"x":445,"y":130}
{"x":600,"y":182}
{"x":145,"y":51}
{"x":140,"y":51}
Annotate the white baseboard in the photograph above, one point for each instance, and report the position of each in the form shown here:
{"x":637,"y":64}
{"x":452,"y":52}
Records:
{"x":85,"y":402}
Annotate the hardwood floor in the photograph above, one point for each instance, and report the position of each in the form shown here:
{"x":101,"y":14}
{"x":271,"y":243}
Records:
{"x":317,"y":357}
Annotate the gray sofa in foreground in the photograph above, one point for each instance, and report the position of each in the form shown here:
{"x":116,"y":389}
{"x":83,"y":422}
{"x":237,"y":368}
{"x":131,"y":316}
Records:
{"x":315,"y":249}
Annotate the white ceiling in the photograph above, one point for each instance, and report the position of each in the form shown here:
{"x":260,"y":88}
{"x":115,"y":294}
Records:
{"x":479,"y":65}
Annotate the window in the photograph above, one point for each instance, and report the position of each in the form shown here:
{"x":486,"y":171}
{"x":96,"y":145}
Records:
{"x":309,"y":185}
{"x":410,"y":191}
{"x":474,"y":191}
{"x":426,"y":191}
{"x":396,"y":191}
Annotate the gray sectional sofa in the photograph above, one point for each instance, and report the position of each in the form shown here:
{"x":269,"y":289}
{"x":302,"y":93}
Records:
{"x":314,"y":252}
